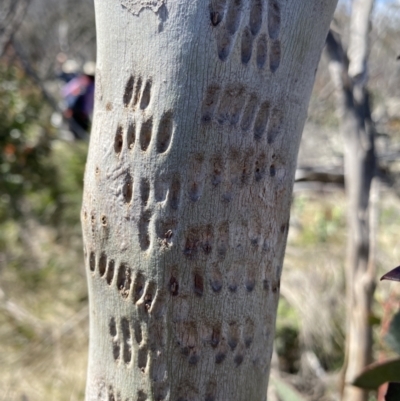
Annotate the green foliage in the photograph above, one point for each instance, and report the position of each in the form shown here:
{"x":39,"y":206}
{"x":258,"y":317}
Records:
{"x":25,"y":143}
{"x":40,"y":176}
{"x":41,"y":180}
{"x":287,"y":337}
{"x":43,"y":296}
{"x":287,"y":316}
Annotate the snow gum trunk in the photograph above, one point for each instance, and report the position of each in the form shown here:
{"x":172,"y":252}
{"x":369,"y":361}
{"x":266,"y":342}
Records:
{"x":198,"y":117}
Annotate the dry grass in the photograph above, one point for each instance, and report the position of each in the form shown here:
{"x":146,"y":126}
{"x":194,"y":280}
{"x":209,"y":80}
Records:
{"x":43,"y":319}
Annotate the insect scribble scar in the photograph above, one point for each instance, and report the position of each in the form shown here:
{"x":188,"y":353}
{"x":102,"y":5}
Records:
{"x":136,"y":6}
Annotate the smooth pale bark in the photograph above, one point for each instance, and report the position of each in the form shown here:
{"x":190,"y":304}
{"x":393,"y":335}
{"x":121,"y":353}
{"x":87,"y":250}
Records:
{"x":199,"y":112}
{"x":349,"y":72}
{"x":358,"y":51}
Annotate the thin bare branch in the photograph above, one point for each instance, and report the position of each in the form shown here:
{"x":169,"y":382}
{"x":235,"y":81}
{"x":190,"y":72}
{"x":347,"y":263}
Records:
{"x":11,"y":15}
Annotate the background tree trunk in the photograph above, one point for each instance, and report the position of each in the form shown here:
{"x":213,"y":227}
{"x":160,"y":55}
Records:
{"x":199,"y":111}
{"x":350,"y":74}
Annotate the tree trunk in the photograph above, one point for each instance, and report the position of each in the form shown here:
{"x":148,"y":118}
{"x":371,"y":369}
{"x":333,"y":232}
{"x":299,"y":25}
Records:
{"x":199,"y":111}
{"x":350,"y":75}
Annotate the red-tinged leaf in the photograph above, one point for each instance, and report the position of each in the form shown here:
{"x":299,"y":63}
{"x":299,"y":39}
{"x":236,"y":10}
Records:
{"x":393,"y":275}
{"x":378,"y":373}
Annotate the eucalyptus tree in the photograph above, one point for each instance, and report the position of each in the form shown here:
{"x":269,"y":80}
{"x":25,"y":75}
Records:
{"x":199,"y":111}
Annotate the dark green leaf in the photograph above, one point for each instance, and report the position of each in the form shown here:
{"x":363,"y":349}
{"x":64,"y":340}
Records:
{"x":378,"y":373}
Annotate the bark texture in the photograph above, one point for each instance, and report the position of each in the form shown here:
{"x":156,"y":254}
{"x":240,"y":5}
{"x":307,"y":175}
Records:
{"x":350,"y":74}
{"x":199,"y":111}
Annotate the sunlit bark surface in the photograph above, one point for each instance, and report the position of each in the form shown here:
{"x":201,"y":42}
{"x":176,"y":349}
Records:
{"x":199,"y":111}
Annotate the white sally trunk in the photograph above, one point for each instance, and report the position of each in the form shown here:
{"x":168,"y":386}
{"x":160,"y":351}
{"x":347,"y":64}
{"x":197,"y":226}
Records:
{"x":199,"y":111}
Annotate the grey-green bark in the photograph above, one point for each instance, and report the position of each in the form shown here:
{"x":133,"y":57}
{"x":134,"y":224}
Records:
{"x":199,"y":112}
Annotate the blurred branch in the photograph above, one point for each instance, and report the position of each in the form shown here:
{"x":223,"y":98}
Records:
{"x":11,"y":16}
{"x":31,"y":72}
{"x":335,"y":174}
